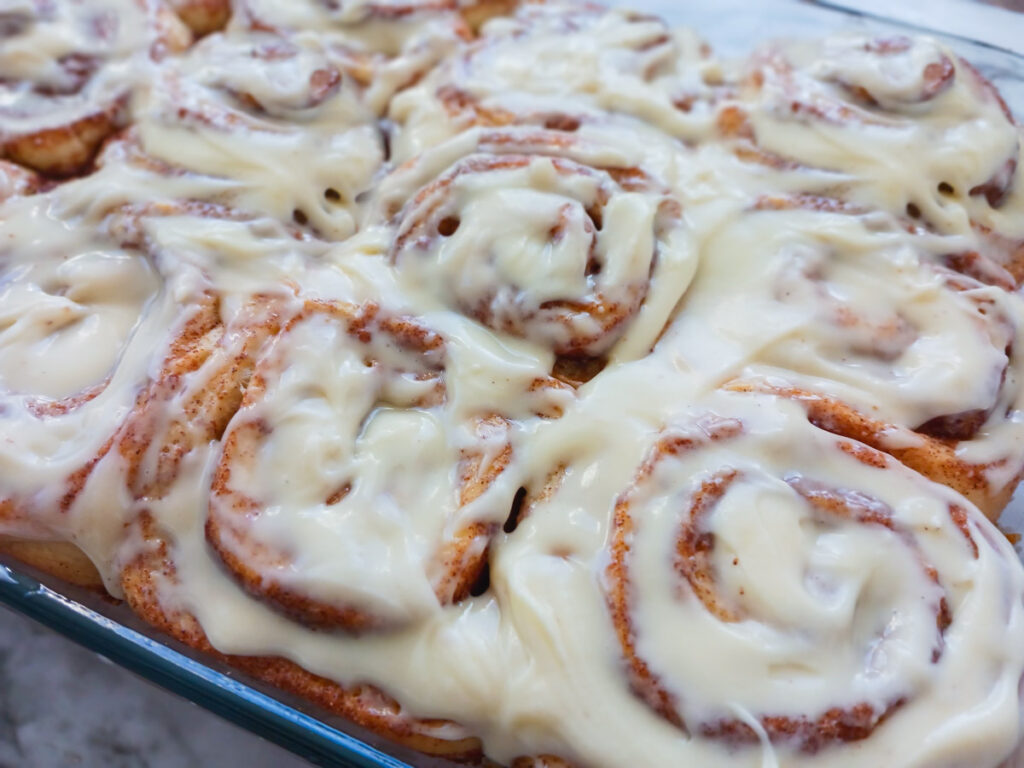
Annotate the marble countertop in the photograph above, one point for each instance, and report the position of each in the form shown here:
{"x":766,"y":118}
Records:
{"x":64,"y":707}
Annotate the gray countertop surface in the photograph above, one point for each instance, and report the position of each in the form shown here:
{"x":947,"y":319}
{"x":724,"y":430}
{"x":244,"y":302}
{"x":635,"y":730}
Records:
{"x":62,"y":707}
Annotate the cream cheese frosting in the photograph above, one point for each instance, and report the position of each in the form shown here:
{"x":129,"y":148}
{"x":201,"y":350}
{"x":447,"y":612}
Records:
{"x":311,"y":315}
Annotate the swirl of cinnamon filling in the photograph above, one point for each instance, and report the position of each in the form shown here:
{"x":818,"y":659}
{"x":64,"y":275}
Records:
{"x":935,"y":140}
{"x":543,"y":235}
{"x":98,"y":314}
{"x":350,"y":492}
{"x":837,"y":591}
{"x":853,"y":308}
{"x":594,"y":59}
{"x":269,"y":124}
{"x":387,"y":44}
{"x":66,"y":75}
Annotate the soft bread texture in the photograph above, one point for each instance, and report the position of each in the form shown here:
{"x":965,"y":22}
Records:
{"x":59,"y":559}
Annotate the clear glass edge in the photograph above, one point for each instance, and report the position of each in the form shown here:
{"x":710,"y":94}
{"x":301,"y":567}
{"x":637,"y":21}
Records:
{"x":89,"y":620}
{"x":156,"y":661}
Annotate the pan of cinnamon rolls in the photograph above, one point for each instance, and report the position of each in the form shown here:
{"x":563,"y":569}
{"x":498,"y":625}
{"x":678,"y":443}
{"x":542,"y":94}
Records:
{"x":523,"y":382}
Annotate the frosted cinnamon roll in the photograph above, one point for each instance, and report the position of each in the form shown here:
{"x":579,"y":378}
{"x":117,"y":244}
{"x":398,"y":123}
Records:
{"x":81,"y":319}
{"x":933,"y":138}
{"x":809,"y":295}
{"x":244,"y":269}
{"x":388,"y":45}
{"x":151,"y":352}
{"x":148,"y":581}
{"x":544,"y":235}
{"x":596,"y":61}
{"x":350,"y":492}
{"x":273,"y":125}
{"x":841,"y":596}
{"x":66,"y":74}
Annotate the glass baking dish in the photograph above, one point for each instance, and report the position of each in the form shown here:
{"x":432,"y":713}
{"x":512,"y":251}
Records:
{"x":111,"y":630}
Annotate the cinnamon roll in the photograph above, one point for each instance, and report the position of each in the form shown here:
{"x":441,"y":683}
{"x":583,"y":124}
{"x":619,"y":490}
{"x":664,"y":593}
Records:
{"x":598,"y":61}
{"x":844,"y":593}
{"x":937,"y":141}
{"x":544,"y":235}
{"x":66,"y":75}
{"x":95,"y":312}
{"x":388,"y":45}
{"x":333,"y":498}
{"x":272,"y":125}
{"x":148,"y":581}
{"x":856,"y":312}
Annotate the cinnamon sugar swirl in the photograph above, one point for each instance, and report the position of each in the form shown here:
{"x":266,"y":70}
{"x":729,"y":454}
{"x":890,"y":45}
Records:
{"x":379,"y":403}
{"x":65,"y":75}
{"x":551,"y":236}
{"x":780,"y":566}
{"x":521,"y":381}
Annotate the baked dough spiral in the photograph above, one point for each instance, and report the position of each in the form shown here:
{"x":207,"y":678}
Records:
{"x":800,"y":104}
{"x":268,"y":124}
{"x":388,"y":45}
{"x":147,"y":581}
{"x":540,"y":234}
{"x":390,"y":518}
{"x":858,"y":312}
{"x":596,"y":60}
{"x":835,"y":585}
{"x":60,"y":293}
{"x":66,"y":75}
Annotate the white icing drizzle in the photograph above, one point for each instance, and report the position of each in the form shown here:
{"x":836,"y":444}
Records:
{"x":63,"y":61}
{"x":837,"y":215}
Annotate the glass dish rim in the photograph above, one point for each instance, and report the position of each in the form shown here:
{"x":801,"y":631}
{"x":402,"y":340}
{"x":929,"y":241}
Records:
{"x":78,"y":614}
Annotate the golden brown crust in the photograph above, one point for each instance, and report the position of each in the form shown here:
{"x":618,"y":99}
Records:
{"x":461,"y":557}
{"x":693,"y":564}
{"x":65,"y":150}
{"x":934,"y":458}
{"x":364,"y":705}
{"x":203,"y":16}
{"x":60,"y":559}
{"x":479,"y":12}
{"x":71,"y":121}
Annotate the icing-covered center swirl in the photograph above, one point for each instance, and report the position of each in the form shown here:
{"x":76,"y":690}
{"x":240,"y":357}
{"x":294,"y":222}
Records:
{"x":532,"y":235}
